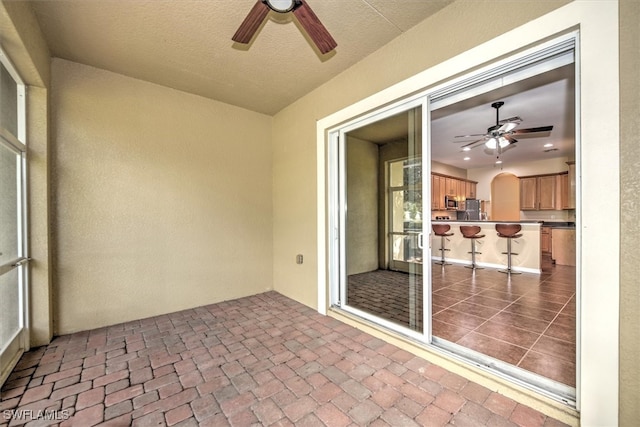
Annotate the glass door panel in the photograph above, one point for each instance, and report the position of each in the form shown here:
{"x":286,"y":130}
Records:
{"x":9,"y":307}
{"x":381,"y":204}
{"x":12,"y":258}
{"x":9,"y":232}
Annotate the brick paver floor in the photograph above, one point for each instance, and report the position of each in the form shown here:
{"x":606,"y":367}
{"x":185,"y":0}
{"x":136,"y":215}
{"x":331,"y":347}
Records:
{"x":261,"y":360}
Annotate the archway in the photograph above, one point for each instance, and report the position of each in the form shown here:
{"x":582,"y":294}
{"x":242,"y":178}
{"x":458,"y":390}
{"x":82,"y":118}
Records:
{"x":505,"y":197}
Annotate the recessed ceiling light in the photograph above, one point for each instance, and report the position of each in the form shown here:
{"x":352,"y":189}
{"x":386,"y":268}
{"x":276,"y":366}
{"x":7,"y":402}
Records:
{"x":498,"y":162}
{"x":466,"y":149}
{"x":548,"y":145}
{"x":467,"y":158}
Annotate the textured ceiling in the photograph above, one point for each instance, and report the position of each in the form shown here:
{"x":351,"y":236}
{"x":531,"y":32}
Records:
{"x":186,"y":44}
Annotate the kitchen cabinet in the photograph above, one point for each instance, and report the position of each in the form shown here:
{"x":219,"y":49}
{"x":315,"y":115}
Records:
{"x":563,"y":246}
{"x":565,"y":191}
{"x":443,"y":185}
{"x":547,"y":192}
{"x":571,"y":186}
{"x":437,"y":195}
{"x":528,"y":193}
{"x":545,"y":240}
{"x":470,"y":190}
{"x":451,"y":187}
{"x":544,"y":192}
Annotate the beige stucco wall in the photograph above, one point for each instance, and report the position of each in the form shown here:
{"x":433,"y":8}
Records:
{"x":362,"y":199}
{"x":162,"y":199}
{"x":630,"y":226}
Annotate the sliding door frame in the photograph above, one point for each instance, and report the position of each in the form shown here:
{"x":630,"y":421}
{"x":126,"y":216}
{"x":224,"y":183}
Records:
{"x":338,"y":214}
{"x":483,"y":80}
{"x":19,"y":343}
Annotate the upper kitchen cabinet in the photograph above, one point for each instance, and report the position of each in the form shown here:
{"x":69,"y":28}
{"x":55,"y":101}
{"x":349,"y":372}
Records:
{"x":529,"y":193}
{"x":570,"y":186}
{"x":470,"y":190}
{"x":547,"y":196}
{"x":458,"y":188}
{"x":437,"y":194}
{"x":544,"y":192}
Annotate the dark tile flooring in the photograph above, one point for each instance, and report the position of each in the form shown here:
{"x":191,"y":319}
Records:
{"x":264,"y":360}
{"x":526,"y":320}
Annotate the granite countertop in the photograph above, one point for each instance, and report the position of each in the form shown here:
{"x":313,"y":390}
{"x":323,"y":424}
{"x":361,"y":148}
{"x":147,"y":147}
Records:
{"x":530,"y":221}
{"x":559,"y":224}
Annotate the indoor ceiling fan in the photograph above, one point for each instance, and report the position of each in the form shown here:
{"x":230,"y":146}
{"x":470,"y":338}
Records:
{"x":500,"y":137}
{"x":301,"y":10}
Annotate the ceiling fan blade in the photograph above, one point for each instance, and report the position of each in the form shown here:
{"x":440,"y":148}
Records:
{"x":511,"y":139}
{"x":251,"y":23}
{"x":471,"y":144}
{"x":508,"y":147}
{"x":533,"y":130}
{"x":507,"y":127}
{"x":468,"y":136}
{"x":314,"y":28}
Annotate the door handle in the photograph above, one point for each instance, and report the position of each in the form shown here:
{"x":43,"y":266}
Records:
{"x":20,"y":262}
{"x":420,"y":241}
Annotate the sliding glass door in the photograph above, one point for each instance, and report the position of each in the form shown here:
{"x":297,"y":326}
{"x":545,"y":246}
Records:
{"x":381,"y":215}
{"x":522,"y":327}
{"x":13,"y":250}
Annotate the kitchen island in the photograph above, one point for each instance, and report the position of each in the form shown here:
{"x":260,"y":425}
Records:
{"x":489,"y":249}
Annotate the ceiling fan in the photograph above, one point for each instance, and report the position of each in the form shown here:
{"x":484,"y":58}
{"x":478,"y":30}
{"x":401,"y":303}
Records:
{"x":500,"y":137}
{"x":301,"y":10}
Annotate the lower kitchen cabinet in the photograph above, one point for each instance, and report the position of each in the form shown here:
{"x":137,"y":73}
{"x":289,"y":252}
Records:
{"x":545,"y":240}
{"x":563,"y":246}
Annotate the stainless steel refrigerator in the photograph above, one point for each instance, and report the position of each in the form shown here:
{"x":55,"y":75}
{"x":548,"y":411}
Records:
{"x":471,"y":212}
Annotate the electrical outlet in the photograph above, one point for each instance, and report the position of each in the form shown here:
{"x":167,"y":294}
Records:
{"x":299,"y":259}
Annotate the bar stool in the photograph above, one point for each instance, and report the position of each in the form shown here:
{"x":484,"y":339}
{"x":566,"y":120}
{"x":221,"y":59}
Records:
{"x":442,"y":230}
{"x":509,"y":232}
{"x":471,"y":232}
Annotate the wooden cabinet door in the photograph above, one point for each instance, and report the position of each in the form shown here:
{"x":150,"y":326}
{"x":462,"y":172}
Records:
{"x":528,"y":194}
{"x":571,"y":186}
{"x":450,"y":186}
{"x":470,"y":190}
{"x":547,"y":192}
{"x":436,"y":194}
{"x":461,"y":190}
{"x":564,"y":191}
{"x":545,"y":240}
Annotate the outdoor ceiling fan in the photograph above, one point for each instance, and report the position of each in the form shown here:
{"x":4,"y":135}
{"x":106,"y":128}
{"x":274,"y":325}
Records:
{"x":301,"y":10}
{"x":500,"y":137}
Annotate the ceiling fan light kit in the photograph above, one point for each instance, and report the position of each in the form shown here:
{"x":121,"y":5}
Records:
{"x":493,"y":143}
{"x":300,"y":9}
{"x":282,"y":6}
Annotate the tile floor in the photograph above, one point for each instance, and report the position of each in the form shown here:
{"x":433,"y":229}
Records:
{"x":261,"y":360}
{"x":527,"y":321}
